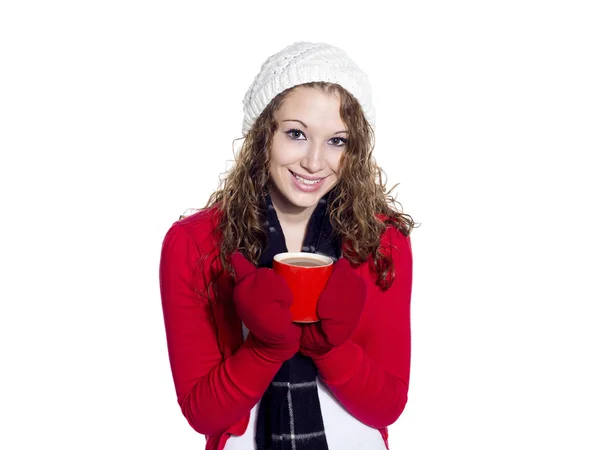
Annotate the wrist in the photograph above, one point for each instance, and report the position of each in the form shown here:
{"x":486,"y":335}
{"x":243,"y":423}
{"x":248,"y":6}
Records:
{"x":316,"y":354}
{"x":340,"y":363}
{"x":270,"y":353}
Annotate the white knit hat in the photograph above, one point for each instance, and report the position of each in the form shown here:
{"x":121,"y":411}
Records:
{"x":303,"y":62}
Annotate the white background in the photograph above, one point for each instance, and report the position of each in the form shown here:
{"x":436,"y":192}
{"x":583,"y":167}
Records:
{"x":116,"y":116}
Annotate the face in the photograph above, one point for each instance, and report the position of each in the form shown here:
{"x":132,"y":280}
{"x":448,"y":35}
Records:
{"x":307,"y":148}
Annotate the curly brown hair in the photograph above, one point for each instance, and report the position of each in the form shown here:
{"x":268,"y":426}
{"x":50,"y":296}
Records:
{"x":360,"y":206}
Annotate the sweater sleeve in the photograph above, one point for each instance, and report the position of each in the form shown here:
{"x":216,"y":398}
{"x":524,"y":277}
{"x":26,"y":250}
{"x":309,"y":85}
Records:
{"x":369,"y":373}
{"x":213,"y":393}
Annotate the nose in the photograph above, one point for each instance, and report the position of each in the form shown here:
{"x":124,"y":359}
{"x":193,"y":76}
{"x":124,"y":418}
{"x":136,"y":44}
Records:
{"x":314,"y":160}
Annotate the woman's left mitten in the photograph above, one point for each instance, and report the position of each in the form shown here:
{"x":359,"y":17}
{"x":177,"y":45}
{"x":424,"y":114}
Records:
{"x":341,"y":303}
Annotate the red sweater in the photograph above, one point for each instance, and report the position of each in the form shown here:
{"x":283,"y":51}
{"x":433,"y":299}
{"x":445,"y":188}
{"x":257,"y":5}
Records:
{"x":219,"y":377}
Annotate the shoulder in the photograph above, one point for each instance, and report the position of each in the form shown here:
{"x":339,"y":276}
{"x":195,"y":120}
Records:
{"x":393,"y":237}
{"x":202,"y":222}
{"x":396,"y":246}
{"x":190,"y":249}
{"x":198,"y":228}
{"x":191,"y":245}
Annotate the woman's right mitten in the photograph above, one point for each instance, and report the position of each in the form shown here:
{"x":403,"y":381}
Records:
{"x":263,"y":299}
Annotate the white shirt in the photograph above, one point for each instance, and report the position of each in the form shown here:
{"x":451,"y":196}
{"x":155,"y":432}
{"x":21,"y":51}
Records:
{"x":343,"y":430}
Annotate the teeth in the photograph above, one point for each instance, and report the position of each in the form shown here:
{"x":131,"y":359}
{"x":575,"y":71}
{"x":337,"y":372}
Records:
{"x":305,"y":181}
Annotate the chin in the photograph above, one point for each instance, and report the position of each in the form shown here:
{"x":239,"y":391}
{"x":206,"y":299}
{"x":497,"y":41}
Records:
{"x":303,"y":203}
{"x":305,"y":199}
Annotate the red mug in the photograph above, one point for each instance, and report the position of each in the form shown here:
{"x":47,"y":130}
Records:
{"x":306,"y":275}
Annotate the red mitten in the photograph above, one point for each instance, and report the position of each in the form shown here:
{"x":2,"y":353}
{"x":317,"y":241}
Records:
{"x":263,"y":298}
{"x":341,"y":303}
{"x":312,"y":342}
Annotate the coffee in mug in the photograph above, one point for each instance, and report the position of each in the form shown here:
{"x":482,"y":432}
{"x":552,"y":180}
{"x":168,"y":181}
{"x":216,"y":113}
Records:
{"x":302,"y":262}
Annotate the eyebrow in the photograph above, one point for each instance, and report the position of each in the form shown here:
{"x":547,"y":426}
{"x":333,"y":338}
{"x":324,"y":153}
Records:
{"x":305,"y":126}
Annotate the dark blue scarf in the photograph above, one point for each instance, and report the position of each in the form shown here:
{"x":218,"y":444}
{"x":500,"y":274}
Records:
{"x":289,"y":416}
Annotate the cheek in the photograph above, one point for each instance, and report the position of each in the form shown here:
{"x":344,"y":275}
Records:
{"x":283,"y":154}
{"x":334,"y":161}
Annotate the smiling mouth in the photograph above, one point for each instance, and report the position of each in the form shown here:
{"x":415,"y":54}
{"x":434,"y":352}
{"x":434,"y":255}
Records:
{"x":306,"y":181}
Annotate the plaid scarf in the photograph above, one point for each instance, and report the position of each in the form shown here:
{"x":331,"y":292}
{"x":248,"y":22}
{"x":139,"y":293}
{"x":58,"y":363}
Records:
{"x":289,"y":416}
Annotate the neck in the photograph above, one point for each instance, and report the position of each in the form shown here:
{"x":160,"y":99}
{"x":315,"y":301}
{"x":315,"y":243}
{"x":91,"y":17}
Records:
{"x":288,"y":214}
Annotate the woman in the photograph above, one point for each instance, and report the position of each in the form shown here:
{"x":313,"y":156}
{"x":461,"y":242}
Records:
{"x":245,"y":375}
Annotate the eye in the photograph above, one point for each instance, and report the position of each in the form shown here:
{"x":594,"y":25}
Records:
{"x":293,"y":133}
{"x":341,"y":142}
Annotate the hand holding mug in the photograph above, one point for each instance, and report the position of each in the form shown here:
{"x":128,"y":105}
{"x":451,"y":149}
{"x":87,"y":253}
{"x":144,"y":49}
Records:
{"x":339,"y":308}
{"x":263,"y":300}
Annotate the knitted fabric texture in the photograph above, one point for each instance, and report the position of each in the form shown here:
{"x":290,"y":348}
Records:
{"x":304,"y":62}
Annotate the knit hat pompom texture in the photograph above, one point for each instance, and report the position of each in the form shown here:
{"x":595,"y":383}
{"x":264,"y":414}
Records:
{"x":303,"y":62}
